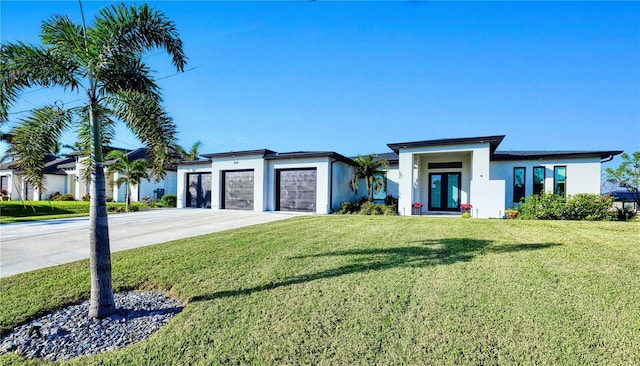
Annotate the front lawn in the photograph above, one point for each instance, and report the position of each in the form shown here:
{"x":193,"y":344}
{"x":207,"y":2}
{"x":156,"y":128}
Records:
{"x":338,"y":290}
{"x":17,"y":211}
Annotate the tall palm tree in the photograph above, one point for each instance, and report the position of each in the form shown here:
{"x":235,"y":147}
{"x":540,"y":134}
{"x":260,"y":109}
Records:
{"x":368,"y":168}
{"x":104,"y":63}
{"x":130,"y":173}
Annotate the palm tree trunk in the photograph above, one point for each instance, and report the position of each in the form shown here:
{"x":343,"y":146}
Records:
{"x":102,"y":303}
{"x":127,"y":196}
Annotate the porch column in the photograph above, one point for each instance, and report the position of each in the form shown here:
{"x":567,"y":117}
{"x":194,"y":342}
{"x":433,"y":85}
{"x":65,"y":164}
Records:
{"x":406,"y":180}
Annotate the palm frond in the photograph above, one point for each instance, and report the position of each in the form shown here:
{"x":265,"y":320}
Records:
{"x":23,"y":66}
{"x":132,"y":30}
{"x":34,"y":137}
{"x":150,"y":123}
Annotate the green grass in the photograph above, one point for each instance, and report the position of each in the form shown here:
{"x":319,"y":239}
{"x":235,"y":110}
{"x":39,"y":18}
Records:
{"x":336,"y":290}
{"x":19,"y":211}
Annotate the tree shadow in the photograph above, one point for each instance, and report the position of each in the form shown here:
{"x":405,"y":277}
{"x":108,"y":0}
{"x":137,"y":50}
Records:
{"x":425,"y":253}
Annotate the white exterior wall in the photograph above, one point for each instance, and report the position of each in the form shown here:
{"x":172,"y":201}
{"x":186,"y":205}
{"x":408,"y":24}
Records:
{"x":476,"y":186}
{"x":181,"y":180}
{"x":583,"y":175}
{"x":393,"y":178}
{"x":147,"y":188}
{"x":341,"y":191}
{"x":250,"y":162}
{"x":54,"y":183}
{"x":322,"y":180}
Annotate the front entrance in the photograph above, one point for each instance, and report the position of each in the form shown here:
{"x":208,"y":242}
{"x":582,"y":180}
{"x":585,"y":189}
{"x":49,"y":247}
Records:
{"x":199,"y":190}
{"x":444,"y":191}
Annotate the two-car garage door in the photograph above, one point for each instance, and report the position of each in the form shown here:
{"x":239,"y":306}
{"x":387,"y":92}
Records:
{"x":296,"y":189}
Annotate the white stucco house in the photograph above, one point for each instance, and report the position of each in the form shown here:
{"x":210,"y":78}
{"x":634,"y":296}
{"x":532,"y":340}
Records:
{"x":440,"y":174}
{"x":265,"y":180}
{"x":64,"y":175}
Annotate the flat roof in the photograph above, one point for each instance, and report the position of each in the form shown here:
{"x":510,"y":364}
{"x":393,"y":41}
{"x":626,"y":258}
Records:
{"x":528,"y":155}
{"x":309,"y":154}
{"x":493,"y":141}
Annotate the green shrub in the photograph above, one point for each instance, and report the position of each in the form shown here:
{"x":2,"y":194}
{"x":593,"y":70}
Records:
{"x":547,"y":206}
{"x":391,"y":210}
{"x":593,"y":207}
{"x":86,"y":198}
{"x":61,"y":197}
{"x":109,"y":199}
{"x":582,"y":206}
{"x":367,"y":208}
{"x":169,"y":200}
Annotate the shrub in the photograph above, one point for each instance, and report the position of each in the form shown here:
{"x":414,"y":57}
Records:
{"x":57,"y":196}
{"x":367,"y":208}
{"x":546,"y":206}
{"x":86,"y":198}
{"x":169,"y":200}
{"x":593,"y":207}
{"x":151,"y":202}
{"x":582,"y":206}
{"x":391,"y":210}
{"x":109,"y":199}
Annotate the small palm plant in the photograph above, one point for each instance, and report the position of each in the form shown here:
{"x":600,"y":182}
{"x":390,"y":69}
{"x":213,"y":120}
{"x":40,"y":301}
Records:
{"x":130,"y":173}
{"x":369,"y":168}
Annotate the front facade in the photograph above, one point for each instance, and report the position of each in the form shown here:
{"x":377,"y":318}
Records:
{"x":264,"y":180}
{"x":440,"y":175}
{"x":443,"y":174}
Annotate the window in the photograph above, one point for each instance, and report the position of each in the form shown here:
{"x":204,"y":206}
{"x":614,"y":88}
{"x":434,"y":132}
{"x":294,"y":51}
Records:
{"x":519,"y":174}
{"x":379,"y":186}
{"x":560,"y":180}
{"x":538,"y":179}
{"x":4,"y":182}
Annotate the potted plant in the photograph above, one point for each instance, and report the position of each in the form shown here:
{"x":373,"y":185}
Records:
{"x":466,"y":209}
{"x":416,"y":208}
{"x":4,"y":194}
{"x":511,"y":214}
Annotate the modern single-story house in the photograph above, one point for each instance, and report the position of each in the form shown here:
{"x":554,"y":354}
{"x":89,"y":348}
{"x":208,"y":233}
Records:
{"x":265,"y":180}
{"x":64,"y":175}
{"x":440,"y":174}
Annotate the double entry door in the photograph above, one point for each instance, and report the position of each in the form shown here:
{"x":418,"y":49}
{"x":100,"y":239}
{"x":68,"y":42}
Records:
{"x":444,"y":191}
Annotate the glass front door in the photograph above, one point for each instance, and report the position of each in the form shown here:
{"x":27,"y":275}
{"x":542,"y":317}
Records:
{"x":444,"y":191}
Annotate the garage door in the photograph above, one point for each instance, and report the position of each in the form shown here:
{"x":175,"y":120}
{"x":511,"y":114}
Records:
{"x":238,"y":189}
{"x":296,"y":190}
{"x":199,"y":190}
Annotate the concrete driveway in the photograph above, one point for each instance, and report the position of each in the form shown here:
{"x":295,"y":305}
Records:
{"x":32,"y":245}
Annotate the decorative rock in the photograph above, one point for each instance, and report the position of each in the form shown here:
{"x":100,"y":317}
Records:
{"x":69,"y":332}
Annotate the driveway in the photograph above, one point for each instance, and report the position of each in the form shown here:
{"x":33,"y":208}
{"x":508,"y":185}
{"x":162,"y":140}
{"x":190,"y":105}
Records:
{"x":32,"y":245}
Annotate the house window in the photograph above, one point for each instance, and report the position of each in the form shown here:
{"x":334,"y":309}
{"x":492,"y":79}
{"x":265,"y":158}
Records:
{"x":519,"y":175}
{"x":4,"y":182}
{"x":538,"y":179}
{"x":560,"y":180}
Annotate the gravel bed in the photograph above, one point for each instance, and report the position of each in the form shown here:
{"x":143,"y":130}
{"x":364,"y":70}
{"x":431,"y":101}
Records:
{"x":69,"y":332}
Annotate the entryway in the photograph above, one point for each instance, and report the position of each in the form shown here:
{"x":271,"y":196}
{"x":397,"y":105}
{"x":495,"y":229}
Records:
{"x":444,"y":191}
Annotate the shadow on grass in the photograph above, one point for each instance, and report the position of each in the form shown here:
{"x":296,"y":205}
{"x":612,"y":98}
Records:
{"x":428,"y":253}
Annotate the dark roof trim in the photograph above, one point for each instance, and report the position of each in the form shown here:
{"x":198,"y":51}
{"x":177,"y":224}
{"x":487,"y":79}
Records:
{"x":309,"y":154}
{"x":195,"y":162}
{"x":230,"y":154}
{"x":530,"y":155}
{"x":493,"y":141}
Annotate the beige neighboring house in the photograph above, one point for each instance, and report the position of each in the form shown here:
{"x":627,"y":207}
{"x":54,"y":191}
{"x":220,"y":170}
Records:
{"x":64,"y":175}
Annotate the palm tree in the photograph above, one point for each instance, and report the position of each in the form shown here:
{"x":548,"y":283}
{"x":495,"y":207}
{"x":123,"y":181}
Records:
{"x":193,"y":153}
{"x":368,"y":168}
{"x":130,"y":173}
{"x":104,"y":63}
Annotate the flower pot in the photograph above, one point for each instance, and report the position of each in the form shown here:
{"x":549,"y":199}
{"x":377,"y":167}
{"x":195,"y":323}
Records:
{"x":416,"y":211}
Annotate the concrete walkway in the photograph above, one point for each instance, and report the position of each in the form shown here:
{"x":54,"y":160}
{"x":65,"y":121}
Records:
{"x":32,"y":245}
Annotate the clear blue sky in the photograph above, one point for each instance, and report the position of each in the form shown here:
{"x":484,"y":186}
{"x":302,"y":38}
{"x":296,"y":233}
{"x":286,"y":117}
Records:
{"x":353,"y":76}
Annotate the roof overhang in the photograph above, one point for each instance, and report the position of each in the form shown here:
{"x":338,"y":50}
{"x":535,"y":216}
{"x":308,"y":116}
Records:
{"x":232,"y":154}
{"x":540,"y":155}
{"x":493,"y":142}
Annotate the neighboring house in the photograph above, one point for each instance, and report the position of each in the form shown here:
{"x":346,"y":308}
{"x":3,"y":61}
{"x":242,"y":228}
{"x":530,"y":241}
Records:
{"x":55,"y":179}
{"x":441,"y":174}
{"x":264,"y":180}
{"x":64,"y":175}
{"x":624,"y":200}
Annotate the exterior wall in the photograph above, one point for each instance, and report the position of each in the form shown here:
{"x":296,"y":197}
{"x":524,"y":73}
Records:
{"x":322,"y":177}
{"x":148,"y":188}
{"x":54,"y":183}
{"x":393,"y":178}
{"x":341,"y":191}
{"x":181,"y":180}
{"x":583,"y":175}
{"x":476,"y":186}
{"x":251,"y":162}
